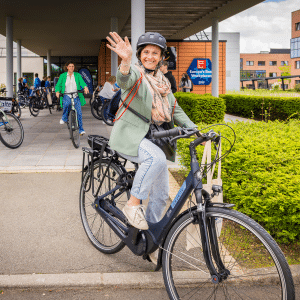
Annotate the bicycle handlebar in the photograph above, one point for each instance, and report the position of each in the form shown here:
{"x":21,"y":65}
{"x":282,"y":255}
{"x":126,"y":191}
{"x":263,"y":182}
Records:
{"x":171,"y":132}
{"x":179,"y":132}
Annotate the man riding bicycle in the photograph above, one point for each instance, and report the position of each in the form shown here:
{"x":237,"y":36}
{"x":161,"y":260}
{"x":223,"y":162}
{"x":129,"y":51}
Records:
{"x":70,"y":82}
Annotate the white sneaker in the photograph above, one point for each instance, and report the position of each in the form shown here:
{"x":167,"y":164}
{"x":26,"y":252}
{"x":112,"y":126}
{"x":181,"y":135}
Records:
{"x":136,"y":216}
{"x":82,"y":132}
{"x":61,"y":122}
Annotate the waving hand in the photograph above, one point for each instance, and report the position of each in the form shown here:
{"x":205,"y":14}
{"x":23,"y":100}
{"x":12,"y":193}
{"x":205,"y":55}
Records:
{"x":120,"y":46}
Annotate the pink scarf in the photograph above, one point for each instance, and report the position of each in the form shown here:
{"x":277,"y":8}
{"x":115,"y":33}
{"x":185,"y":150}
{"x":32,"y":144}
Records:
{"x":159,"y":87}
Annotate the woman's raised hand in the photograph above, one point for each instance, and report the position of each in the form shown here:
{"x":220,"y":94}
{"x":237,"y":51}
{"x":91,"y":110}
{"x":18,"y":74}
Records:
{"x":120,"y":46}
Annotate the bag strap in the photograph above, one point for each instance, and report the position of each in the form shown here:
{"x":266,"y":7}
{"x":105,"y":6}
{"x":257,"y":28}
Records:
{"x":138,"y":81}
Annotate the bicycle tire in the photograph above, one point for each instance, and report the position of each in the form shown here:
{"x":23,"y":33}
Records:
{"x":33,"y":106}
{"x":258,"y":268}
{"x":74,"y":129}
{"x":11,"y":136}
{"x":104,"y":114}
{"x":16,"y":110}
{"x":98,"y":231}
{"x":96,"y":109}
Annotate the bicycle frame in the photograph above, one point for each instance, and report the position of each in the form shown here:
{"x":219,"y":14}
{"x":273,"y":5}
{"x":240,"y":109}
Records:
{"x":144,"y":242}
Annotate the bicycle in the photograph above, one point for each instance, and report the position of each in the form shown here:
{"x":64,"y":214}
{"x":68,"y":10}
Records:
{"x":109,"y":108}
{"x":11,"y":129}
{"x":96,"y":106}
{"x":207,"y":251}
{"x":15,"y":108}
{"x":39,"y":101}
{"x":73,"y":120}
{"x":23,"y":98}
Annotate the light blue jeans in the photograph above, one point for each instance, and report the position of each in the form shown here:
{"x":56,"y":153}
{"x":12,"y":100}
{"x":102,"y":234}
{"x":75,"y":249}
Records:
{"x":151,"y":179}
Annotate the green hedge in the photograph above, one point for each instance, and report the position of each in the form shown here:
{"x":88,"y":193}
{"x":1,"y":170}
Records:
{"x":262,"y":174}
{"x":281,"y":108}
{"x":202,"y":108}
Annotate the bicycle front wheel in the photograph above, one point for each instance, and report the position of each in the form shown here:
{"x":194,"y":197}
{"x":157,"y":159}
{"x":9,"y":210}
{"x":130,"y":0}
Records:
{"x":105,"y":114}
{"x":74,"y":129}
{"x":256,"y":266}
{"x":98,"y":231}
{"x":11,"y":130}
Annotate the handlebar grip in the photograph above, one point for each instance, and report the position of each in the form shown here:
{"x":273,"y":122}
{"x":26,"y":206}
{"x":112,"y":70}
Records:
{"x":165,"y":133}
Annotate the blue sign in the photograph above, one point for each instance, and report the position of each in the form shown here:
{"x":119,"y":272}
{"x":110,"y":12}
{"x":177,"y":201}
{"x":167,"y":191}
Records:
{"x":200,"y":71}
{"x":87,"y":77}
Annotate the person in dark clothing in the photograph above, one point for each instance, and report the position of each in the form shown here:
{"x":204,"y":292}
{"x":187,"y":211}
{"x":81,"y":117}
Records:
{"x":43,"y":81}
{"x":21,"y":87}
{"x":169,"y":75}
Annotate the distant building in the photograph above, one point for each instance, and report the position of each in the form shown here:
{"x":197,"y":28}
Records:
{"x":267,"y":63}
{"x":31,"y":63}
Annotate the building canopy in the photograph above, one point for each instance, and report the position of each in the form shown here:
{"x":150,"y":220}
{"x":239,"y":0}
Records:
{"x":76,"y":27}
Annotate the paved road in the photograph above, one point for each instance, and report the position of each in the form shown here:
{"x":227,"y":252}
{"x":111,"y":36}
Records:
{"x":95,"y":294}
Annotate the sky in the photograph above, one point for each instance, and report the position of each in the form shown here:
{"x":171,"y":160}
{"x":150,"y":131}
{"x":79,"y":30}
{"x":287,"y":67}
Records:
{"x":263,"y":26}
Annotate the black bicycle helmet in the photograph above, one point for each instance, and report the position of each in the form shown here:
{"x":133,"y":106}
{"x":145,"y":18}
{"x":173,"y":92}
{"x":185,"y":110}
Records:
{"x":152,"y":38}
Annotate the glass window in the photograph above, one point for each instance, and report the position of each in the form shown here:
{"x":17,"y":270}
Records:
{"x":298,"y":26}
{"x":297,"y":81}
{"x":284,"y":63}
{"x":273,"y":63}
{"x":273,"y":74}
{"x":261,"y":63}
{"x":297,"y":64}
{"x":249,"y":63}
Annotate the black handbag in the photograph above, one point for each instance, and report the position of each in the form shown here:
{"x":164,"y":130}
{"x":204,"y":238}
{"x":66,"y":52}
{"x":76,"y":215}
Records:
{"x":165,"y":144}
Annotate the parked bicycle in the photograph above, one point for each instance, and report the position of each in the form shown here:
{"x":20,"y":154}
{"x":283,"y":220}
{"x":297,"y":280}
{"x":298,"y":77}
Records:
{"x":73,"y":120}
{"x":39,"y":101}
{"x":11,"y":129}
{"x":23,"y":98}
{"x":15,"y":108}
{"x":208,"y":251}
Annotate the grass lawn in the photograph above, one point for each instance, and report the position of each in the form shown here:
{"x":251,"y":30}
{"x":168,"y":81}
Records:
{"x":291,"y":251}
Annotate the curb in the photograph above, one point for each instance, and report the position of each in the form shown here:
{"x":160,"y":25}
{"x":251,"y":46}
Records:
{"x":130,"y":279}
{"x":122,"y":280}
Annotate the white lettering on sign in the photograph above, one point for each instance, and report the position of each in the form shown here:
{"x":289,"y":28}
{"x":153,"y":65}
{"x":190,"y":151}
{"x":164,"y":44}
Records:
{"x":6,"y":105}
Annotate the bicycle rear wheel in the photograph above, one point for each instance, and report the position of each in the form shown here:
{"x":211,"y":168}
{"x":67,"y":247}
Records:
{"x":74,"y":129}
{"x":11,"y":130}
{"x":34,"y":105}
{"x":98,"y":231}
{"x":258,"y":268}
{"x":105,"y":114}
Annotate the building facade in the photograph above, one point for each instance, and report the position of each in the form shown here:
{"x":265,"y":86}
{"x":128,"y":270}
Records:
{"x":182,"y":54}
{"x":276,"y":62}
{"x":232,"y":56}
{"x":31,"y":63}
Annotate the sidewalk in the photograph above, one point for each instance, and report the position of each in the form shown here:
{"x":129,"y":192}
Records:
{"x":47,"y":146}
{"x":43,"y":243}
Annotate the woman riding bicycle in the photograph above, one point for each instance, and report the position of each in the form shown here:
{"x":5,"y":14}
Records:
{"x":70,"y":82}
{"x":155,"y":101}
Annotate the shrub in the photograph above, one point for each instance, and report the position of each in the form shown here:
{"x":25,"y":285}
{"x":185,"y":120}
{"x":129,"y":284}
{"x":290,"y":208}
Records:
{"x":202,"y":108}
{"x":297,"y":87}
{"x":262,"y":174}
{"x":281,"y":108}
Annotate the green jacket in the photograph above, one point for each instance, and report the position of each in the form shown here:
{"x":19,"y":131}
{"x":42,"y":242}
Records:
{"x":61,"y":86}
{"x":129,"y":130}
